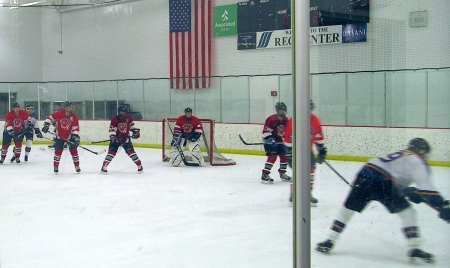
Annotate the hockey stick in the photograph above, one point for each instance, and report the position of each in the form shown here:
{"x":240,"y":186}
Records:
{"x":246,"y":143}
{"x":180,"y":151}
{"x":337,"y":173}
{"x":97,"y":153}
{"x":93,"y":142}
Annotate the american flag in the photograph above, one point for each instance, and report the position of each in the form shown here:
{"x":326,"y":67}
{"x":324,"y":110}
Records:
{"x":190,"y":43}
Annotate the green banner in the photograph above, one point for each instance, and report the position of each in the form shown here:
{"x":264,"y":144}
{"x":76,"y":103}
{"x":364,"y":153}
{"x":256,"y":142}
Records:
{"x":225,"y":20}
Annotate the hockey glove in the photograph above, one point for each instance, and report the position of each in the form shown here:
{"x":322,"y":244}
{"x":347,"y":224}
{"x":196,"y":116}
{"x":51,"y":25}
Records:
{"x":444,"y":211}
{"x":413,"y":195}
{"x":10,"y":132}
{"x":194,"y":136}
{"x":38,"y":133}
{"x":113,"y":138}
{"x":136,"y":133}
{"x":176,"y":139}
{"x":45,"y":127}
{"x":322,"y":153}
{"x":269,"y":140}
{"x":75,"y":139}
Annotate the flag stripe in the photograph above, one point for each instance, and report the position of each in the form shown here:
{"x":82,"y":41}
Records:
{"x":190,"y":43}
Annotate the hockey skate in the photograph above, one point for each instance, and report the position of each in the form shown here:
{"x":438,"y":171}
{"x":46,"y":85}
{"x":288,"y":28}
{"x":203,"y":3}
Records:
{"x":140,"y":169}
{"x":17,"y":160}
{"x":285,"y":177}
{"x":265,"y":178}
{"x":2,"y":160}
{"x":26,"y":158}
{"x":12,"y":159}
{"x":420,"y":254}
{"x":104,"y":170}
{"x":55,"y":169}
{"x":77,"y":169}
{"x":325,"y":247}
{"x":314,"y":201}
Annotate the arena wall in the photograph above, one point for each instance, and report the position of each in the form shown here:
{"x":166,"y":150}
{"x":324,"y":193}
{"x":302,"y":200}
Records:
{"x":343,"y":143}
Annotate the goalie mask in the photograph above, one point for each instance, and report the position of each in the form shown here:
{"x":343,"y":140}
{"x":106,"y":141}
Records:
{"x":188,"y":113}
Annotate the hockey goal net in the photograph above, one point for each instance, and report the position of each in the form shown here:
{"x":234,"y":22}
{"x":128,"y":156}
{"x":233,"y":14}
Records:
{"x":208,"y":147}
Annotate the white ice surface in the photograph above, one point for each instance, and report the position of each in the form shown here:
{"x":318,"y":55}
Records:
{"x":188,"y":216}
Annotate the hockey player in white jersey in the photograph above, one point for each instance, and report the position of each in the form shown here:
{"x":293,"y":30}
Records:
{"x":387,"y":180}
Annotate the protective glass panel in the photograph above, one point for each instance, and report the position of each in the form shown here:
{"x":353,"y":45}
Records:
{"x":81,"y":94}
{"x":235,"y":99}
{"x":157,"y":99}
{"x":131,"y":94}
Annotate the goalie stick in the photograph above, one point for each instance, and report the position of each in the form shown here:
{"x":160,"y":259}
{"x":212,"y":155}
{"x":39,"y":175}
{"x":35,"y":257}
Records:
{"x":97,"y":153}
{"x":180,"y":151}
{"x":247,"y":143}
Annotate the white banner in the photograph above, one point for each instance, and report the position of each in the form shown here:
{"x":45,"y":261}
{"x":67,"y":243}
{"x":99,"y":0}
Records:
{"x":324,"y":35}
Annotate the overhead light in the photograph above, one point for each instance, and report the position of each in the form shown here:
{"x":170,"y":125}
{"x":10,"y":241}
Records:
{"x":16,"y":4}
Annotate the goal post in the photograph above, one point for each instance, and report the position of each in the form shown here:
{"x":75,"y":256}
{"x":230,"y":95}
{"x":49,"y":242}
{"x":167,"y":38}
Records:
{"x":206,"y":142}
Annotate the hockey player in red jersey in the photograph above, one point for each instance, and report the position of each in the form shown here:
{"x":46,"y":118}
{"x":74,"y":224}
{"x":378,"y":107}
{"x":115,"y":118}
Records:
{"x":119,"y":134}
{"x":15,"y":127}
{"x":33,"y":126}
{"x":186,"y":132}
{"x":387,"y":180}
{"x":272,"y":134}
{"x":67,"y":129}
{"x":316,"y":138}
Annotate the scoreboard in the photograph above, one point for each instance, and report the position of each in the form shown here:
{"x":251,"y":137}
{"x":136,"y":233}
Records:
{"x":270,"y":15}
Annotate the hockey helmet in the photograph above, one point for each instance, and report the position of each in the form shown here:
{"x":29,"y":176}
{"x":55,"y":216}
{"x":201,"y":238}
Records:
{"x":280,"y":106}
{"x":419,"y":146}
{"x":188,"y":110}
{"x":68,"y":104}
{"x":29,"y":106}
{"x":15,"y":104}
{"x":311,"y":105}
{"x":121,"y":108}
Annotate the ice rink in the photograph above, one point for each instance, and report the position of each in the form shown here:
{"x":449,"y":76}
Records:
{"x":188,"y":216}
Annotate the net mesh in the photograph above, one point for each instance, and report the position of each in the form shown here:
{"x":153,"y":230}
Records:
{"x":208,"y":147}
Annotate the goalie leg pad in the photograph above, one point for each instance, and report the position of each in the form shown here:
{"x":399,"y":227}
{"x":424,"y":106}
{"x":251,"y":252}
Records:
{"x":175,"y":161}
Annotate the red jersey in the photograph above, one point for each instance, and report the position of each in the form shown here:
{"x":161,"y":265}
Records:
{"x":121,"y":127}
{"x":288,"y":133}
{"x":187,"y":127}
{"x":16,"y":121}
{"x":65,"y":124}
{"x":315,"y":128}
{"x":274,"y":127}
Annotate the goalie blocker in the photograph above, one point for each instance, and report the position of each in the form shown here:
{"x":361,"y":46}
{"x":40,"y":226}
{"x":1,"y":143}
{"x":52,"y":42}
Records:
{"x":208,"y":148}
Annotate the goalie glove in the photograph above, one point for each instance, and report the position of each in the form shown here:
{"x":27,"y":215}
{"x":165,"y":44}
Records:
{"x":322,"y":153}
{"x":194,"y":136}
{"x":444,"y":211}
{"x":75,"y":139}
{"x":413,"y":195}
{"x":176,"y":139}
{"x":270,"y":140}
{"x":46,"y":127}
{"x":136,"y":133}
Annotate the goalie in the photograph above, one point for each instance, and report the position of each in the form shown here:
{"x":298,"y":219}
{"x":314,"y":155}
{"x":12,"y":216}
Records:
{"x":186,"y":132}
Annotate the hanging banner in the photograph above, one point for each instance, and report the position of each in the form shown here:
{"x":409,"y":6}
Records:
{"x":225,"y":20}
